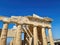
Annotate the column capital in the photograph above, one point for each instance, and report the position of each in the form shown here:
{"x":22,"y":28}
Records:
{"x":34,"y":26}
{"x":6,"y":20}
{"x":49,"y":27}
{"x":46,"y":27}
{"x":43,"y":27}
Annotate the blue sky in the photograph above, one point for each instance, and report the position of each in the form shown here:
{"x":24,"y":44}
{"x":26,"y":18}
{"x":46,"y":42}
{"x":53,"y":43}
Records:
{"x":49,"y":8}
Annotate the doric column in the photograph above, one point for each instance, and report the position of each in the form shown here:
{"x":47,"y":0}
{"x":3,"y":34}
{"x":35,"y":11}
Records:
{"x":50,"y":37}
{"x":4,"y":34}
{"x":30,"y":41}
{"x":35,"y":35}
{"x":18,"y":35}
{"x":11,"y":43}
{"x":44,"y":38}
{"x":14,"y":41}
{"x":0,"y":41}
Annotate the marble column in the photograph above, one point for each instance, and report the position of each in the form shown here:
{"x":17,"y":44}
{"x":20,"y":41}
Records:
{"x":50,"y":37}
{"x":11,"y":43}
{"x":30,"y":41}
{"x":0,"y":41}
{"x":14,"y":41}
{"x":4,"y":34}
{"x":44,"y":38}
{"x":35,"y":35}
{"x":18,"y":35}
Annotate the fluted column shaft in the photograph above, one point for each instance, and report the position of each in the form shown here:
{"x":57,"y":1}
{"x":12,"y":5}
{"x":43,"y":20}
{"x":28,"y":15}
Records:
{"x":14,"y":41}
{"x":4,"y":34}
{"x":18,"y":35}
{"x":0,"y":41}
{"x":11,"y":43}
{"x":30,"y":41}
{"x":50,"y":37}
{"x":35,"y":35}
{"x":44,"y":38}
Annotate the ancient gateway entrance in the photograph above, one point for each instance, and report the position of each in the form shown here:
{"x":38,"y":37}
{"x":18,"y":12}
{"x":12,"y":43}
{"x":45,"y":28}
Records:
{"x":33,"y":27}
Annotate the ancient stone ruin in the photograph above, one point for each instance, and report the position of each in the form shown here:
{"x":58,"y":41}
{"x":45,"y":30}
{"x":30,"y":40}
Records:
{"x":33,"y":27}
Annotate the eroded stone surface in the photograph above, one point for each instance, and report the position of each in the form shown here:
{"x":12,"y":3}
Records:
{"x":33,"y":27}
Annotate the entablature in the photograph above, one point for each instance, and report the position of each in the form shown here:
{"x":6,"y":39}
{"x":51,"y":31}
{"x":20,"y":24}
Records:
{"x":28,"y":20}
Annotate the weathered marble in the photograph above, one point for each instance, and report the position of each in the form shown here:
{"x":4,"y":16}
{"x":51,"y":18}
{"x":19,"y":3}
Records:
{"x":33,"y":27}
